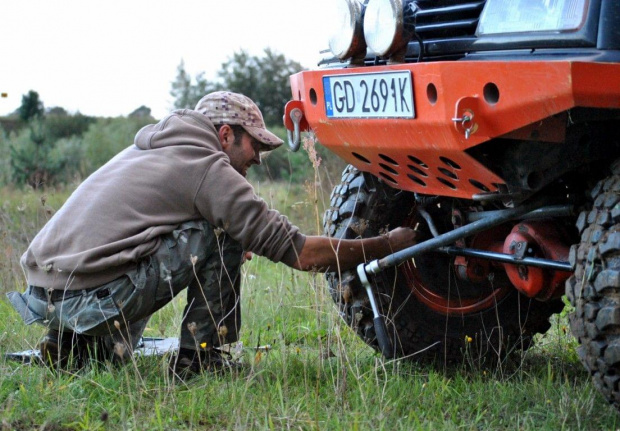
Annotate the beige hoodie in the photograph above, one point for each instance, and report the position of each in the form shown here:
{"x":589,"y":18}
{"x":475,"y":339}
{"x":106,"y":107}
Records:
{"x":176,"y":171}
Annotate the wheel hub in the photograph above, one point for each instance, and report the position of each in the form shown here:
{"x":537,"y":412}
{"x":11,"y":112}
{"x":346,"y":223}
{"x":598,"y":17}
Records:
{"x":467,"y":285}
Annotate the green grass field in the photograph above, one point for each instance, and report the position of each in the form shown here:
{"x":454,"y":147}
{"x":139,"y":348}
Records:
{"x":312,"y":372}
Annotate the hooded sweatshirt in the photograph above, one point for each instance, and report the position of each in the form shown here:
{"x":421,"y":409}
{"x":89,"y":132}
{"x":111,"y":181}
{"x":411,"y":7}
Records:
{"x":175,"y":172}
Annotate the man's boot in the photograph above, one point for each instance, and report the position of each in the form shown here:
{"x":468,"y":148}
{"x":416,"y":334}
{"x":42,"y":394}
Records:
{"x":63,"y":350}
{"x":188,"y":363}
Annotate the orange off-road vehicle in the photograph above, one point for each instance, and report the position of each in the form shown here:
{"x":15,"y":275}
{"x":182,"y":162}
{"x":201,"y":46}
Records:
{"x":493,"y":128}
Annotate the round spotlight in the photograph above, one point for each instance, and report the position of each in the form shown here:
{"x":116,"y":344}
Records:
{"x":347,"y":35}
{"x":384,"y":27}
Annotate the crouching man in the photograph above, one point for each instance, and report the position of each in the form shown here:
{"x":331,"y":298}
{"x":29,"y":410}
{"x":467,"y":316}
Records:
{"x":171,"y":212}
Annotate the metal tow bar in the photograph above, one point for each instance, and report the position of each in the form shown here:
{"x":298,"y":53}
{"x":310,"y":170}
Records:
{"x":378,"y":265}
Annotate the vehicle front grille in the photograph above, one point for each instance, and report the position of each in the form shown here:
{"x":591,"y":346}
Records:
{"x":447,"y":19}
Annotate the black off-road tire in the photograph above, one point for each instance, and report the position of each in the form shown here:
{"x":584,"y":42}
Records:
{"x":594,"y":289}
{"x":363,"y":206}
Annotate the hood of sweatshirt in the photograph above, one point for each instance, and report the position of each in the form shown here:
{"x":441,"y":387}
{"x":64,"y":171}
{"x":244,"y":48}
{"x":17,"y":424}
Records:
{"x":181,"y":127}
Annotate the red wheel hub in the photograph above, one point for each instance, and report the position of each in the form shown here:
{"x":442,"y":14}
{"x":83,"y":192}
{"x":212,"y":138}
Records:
{"x":475,"y":284}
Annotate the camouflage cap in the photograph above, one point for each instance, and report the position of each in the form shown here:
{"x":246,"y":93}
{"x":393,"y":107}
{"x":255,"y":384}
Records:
{"x":225,"y":107}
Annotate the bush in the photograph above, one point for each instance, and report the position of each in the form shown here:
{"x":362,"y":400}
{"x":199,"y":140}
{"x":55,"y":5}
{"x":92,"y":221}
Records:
{"x":5,"y":162}
{"x":31,"y":157}
{"x":107,"y":137}
{"x":69,"y":153}
{"x":10,"y":124}
{"x":285,"y":165}
{"x":58,"y":125}
{"x":61,"y":148}
{"x":46,"y":151}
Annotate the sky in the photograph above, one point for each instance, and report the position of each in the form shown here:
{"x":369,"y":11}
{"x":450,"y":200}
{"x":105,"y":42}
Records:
{"x":107,"y":58}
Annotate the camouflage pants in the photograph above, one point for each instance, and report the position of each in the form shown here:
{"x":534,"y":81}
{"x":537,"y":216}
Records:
{"x":195,"y":256}
{"x":208,"y":262}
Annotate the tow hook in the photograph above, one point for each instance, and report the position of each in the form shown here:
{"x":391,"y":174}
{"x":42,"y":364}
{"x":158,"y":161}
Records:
{"x":294,"y":139}
{"x":295,"y":123}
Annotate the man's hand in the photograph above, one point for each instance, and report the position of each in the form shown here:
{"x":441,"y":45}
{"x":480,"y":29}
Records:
{"x":246,"y":256}
{"x":401,"y":238}
{"x":324,"y":254}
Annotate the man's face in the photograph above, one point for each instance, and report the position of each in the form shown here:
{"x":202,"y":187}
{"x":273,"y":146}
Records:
{"x":243,"y":151}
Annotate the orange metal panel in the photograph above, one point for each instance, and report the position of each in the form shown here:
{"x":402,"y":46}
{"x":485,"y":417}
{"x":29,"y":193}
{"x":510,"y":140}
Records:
{"x":426,"y":154}
{"x":596,"y":85}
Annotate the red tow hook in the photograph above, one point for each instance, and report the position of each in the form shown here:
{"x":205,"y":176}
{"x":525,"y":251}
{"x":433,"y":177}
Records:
{"x":295,"y":123}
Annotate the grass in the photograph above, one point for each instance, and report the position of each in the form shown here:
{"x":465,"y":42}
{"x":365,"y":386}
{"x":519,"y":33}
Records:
{"x":315,"y":374}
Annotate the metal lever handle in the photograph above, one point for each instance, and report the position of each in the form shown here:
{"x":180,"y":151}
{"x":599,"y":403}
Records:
{"x":385,"y":345}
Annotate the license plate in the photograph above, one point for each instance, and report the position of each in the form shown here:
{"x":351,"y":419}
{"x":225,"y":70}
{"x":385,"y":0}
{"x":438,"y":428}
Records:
{"x":369,"y":95}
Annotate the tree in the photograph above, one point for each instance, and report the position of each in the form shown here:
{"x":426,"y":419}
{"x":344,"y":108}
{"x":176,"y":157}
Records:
{"x":57,"y":111}
{"x":30,"y":156}
{"x":241,"y":74}
{"x":59,"y":124}
{"x":141,"y":112}
{"x":186,"y":94}
{"x":46,"y":150}
{"x":181,"y":87}
{"x":264,"y":79}
{"x":31,"y":107}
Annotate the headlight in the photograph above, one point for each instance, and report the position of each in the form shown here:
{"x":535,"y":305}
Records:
{"x":385,"y":28}
{"x":519,"y":16}
{"x":347,"y":36}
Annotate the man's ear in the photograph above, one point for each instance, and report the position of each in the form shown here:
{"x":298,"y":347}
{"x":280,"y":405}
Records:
{"x":226,"y":136}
